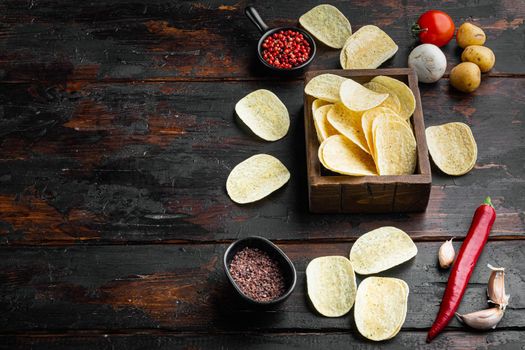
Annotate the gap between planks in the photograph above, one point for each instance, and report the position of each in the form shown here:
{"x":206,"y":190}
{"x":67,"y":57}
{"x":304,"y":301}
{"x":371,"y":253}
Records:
{"x":340,"y":240}
{"x":217,"y":79}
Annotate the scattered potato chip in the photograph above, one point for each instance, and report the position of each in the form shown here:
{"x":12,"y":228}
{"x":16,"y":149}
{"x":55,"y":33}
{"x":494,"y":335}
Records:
{"x":255,"y":178}
{"x":394,"y":147}
{"x":325,"y":87}
{"x":380,"y":307}
{"x":318,"y":103}
{"x":452,"y":147}
{"x":368,"y":48}
{"x":348,"y":123}
{"x":366,"y":124}
{"x":327,"y":24}
{"x":264,"y":114}
{"x":381,"y":249}
{"x":341,"y":155}
{"x":331,"y":285}
{"x":358,"y":98}
{"x":323,"y":128}
{"x":403,"y":93}
{"x":392,"y":100}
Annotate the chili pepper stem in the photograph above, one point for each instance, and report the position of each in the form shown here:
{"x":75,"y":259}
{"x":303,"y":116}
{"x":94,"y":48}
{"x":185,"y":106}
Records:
{"x":488,"y":202}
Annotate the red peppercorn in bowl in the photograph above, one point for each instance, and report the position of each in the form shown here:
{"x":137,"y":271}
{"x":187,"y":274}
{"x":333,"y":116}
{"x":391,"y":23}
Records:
{"x":284,"y":49}
{"x":259,"y":271}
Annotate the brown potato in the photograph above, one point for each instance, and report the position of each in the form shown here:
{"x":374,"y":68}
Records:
{"x":480,"y":55}
{"x":469,"y":34}
{"x":465,"y":77}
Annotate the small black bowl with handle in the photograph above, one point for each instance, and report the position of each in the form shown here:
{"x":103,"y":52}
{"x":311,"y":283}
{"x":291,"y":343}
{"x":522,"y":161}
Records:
{"x":274,"y":252}
{"x":266,"y":31}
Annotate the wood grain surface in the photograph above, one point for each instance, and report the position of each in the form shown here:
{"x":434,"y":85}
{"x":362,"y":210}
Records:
{"x":117,"y":132}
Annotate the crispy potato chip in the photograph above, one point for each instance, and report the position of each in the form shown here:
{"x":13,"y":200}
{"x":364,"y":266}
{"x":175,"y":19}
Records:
{"x":331,"y":285}
{"x":380,"y":307}
{"x":325,"y":87}
{"x":452,"y":147}
{"x":348,"y":123}
{"x":392,"y":100}
{"x":403,"y":93}
{"x":255,"y":178}
{"x":318,"y":103}
{"x":367,"y":48}
{"x":323,"y":128}
{"x":264,"y":114}
{"x":394,"y":147}
{"x":366,"y":124}
{"x":327,"y":24}
{"x":358,"y":98}
{"x":341,"y":155}
{"x":381,"y":249}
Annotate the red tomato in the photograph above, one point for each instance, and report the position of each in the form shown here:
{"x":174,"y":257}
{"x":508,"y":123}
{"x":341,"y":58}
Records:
{"x":434,"y":27}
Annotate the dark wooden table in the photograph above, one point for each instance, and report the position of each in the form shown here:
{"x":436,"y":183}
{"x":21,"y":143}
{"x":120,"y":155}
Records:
{"x":117,"y":134}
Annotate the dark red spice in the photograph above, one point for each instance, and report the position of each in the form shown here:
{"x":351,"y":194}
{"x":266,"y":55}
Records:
{"x":286,"y":49}
{"x":257,"y":274}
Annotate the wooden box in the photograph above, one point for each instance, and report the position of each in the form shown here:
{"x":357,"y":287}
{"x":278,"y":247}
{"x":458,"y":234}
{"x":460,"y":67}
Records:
{"x":329,"y":192}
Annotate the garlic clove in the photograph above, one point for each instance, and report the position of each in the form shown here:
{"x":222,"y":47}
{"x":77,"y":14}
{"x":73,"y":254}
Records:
{"x":496,"y":287}
{"x":483,"y":319}
{"x":446,"y":254}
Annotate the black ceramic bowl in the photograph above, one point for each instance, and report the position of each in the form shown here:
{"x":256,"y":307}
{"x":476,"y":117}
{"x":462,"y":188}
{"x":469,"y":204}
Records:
{"x":266,"y":31}
{"x":290,"y":275}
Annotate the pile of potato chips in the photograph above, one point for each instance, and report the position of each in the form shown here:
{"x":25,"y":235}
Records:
{"x":364,"y":129}
{"x":380,"y":303}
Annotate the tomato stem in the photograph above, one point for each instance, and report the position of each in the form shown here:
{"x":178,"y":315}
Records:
{"x":416,"y":29}
{"x":488,"y":202}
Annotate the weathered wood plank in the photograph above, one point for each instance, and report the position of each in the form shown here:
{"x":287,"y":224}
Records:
{"x":148,"y":163}
{"x":114,"y":40}
{"x":314,"y":341}
{"x":184,"y":288}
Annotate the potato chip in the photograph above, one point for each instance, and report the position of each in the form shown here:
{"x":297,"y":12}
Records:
{"x":403,"y":93}
{"x":381,"y":249}
{"x":341,"y":155}
{"x":255,"y":178}
{"x":380,"y":307}
{"x":452,"y":147}
{"x":325,"y":87}
{"x":348,"y":123}
{"x":327,"y":24}
{"x":367,"y":48}
{"x":318,"y":103}
{"x":392,"y":100}
{"x":331,"y":285}
{"x":264,"y":114}
{"x":358,"y":98}
{"x":366,"y":124}
{"x":323,"y":128}
{"x":394,"y":147}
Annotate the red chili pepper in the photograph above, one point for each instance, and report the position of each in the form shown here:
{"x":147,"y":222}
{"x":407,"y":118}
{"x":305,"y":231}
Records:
{"x":462,"y":270}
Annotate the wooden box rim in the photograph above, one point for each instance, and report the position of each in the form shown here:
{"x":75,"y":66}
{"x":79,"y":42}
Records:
{"x":423,"y":174}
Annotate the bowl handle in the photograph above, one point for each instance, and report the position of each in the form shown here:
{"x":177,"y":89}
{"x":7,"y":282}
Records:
{"x":254,"y":16}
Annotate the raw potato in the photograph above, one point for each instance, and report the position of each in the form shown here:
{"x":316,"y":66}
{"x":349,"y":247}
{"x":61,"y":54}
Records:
{"x":480,"y":55}
{"x":465,"y":77}
{"x":327,"y":24}
{"x":331,"y":285}
{"x":255,"y":178}
{"x":429,"y":62}
{"x":469,"y":34}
